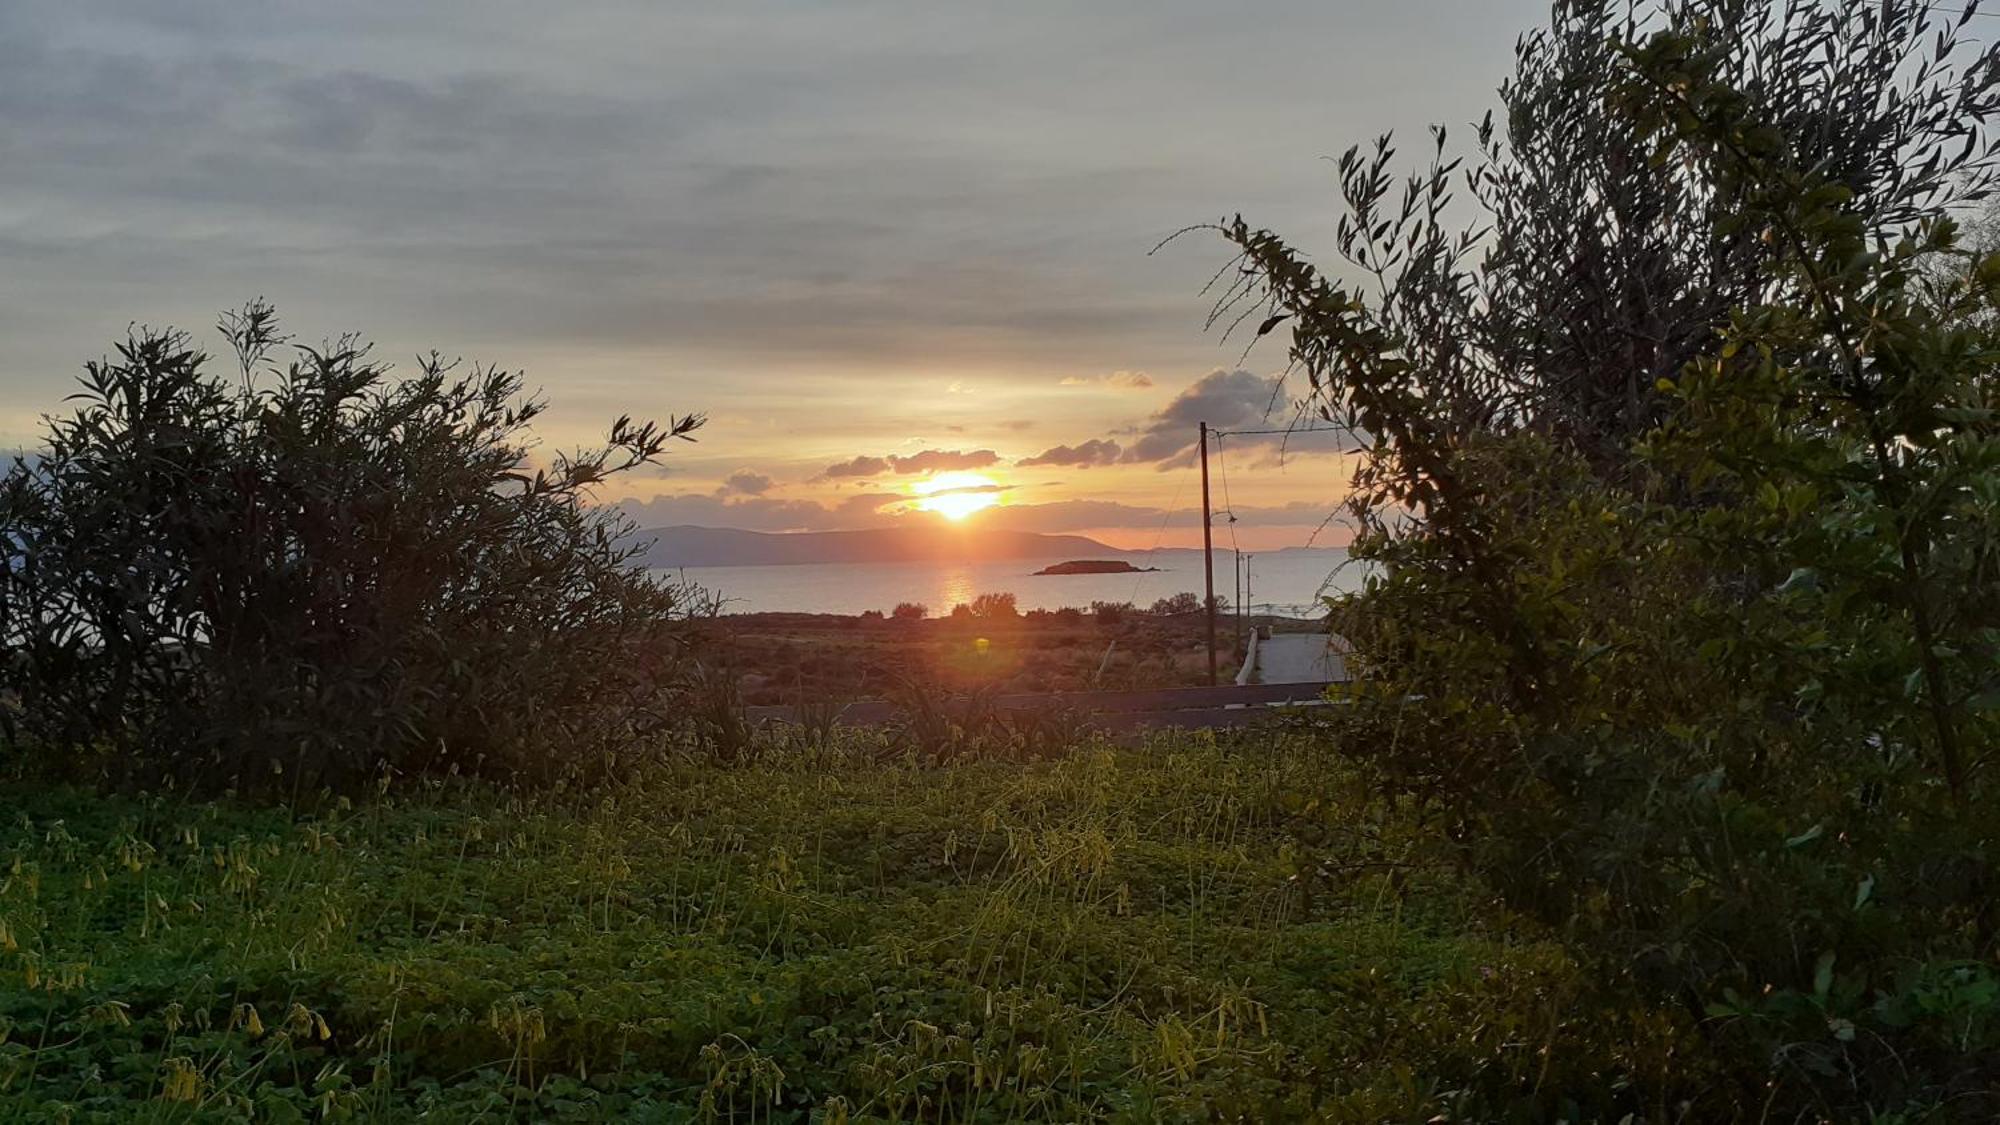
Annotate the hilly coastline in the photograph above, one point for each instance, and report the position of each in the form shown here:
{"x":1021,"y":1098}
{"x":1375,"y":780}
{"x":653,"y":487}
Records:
{"x":688,"y":545}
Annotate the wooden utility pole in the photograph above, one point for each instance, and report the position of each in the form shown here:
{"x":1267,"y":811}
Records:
{"x":1208,"y":553}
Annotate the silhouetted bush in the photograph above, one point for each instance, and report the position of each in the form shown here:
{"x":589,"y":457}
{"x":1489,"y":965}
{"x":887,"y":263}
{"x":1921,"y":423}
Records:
{"x":910,"y":611}
{"x":1112,"y":613}
{"x":1176,"y":604}
{"x":995,"y":605}
{"x":306,"y":574}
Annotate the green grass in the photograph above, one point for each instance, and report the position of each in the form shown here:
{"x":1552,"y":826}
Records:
{"x":1118,"y":935}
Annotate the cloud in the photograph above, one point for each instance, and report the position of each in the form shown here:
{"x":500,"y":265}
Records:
{"x":744,"y":482}
{"x":1122,"y":380}
{"x":926,"y":461}
{"x":671,"y":190}
{"x":1096,"y":451}
{"x":859,"y":467}
{"x":1224,"y":399}
{"x":942,"y":460}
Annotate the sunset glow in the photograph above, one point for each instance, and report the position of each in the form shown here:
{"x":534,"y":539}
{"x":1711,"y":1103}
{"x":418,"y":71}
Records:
{"x":863,"y":277}
{"x":956,"y":495}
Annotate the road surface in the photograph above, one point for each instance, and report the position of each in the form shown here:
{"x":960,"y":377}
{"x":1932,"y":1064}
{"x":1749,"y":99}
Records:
{"x":1300,"y":658}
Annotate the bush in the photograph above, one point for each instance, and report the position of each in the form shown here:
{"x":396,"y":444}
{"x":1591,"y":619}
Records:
{"x":1704,"y":630}
{"x":1177,"y":605}
{"x":994,"y":605}
{"x":871,"y":615}
{"x":1112,"y":613}
{"x":910,"y":611}
{"x":304,"y":575}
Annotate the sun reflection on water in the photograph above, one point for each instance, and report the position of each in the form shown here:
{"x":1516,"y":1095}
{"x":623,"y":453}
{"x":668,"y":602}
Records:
{"x":955,"y":587}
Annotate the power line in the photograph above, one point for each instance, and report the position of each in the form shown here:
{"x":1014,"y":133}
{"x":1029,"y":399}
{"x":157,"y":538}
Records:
{"x":1284,"y":433}
{"x":1173,"y":506}
{"x":1228,"y":505}
{"x":1222,"y":460}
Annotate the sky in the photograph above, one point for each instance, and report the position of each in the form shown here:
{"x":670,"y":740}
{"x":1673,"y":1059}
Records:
{"x":889,"y":249}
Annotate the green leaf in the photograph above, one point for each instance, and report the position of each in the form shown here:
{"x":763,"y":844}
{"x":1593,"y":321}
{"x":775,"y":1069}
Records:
{"x":1806,"y":837}
{"x":1823,"y":975}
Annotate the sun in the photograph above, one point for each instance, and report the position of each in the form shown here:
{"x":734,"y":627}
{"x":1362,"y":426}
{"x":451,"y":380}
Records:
{"x":956,"y":495}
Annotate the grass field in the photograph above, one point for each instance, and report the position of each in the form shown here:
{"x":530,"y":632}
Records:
{"x":1133,"y":935}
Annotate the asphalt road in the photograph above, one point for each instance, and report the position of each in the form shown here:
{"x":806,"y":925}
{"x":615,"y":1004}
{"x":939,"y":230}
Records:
{"x":1300,"y":658}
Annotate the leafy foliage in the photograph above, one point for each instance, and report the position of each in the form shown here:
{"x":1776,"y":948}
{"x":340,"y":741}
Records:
{"x":1682,"y":476}
{"x":313,"y":573}
{"x":816,"y":935}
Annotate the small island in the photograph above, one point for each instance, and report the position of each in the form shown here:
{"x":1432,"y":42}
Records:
{"x":1095,"y":566}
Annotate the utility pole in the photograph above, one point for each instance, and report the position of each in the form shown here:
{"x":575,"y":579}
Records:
{"x":1237,"y":591}
{"x":1208,"y":553}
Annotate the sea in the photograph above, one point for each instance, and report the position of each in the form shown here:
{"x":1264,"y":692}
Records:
{"x":1289,"y":583}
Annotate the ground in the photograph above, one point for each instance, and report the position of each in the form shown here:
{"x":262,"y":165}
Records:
{"x":781,"y":658}
{"x":827,"y":934}
{"x":1301,"y":658}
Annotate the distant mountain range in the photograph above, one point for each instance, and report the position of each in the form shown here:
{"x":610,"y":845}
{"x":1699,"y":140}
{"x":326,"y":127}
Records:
{"x":686,"y":545}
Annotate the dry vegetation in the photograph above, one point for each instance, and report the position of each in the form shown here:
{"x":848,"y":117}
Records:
{"x":783,"y":658}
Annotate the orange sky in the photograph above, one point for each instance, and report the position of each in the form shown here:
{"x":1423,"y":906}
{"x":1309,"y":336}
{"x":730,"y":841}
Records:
{"x":1110,"y":457}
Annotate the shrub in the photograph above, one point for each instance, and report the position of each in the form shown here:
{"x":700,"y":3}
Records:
{"x":1112,"y":613}
{"x":910,"y":611}
{"x":961,"y":612}
{"x":303,"y":575}
{"x":995,"y":605}
{"x":1176,"y":605}
{"x":1683,"y":499}
{"x":871,"y":615}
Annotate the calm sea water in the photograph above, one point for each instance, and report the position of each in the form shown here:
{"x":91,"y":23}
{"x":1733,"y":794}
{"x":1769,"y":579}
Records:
{"x":1281,"y":582}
